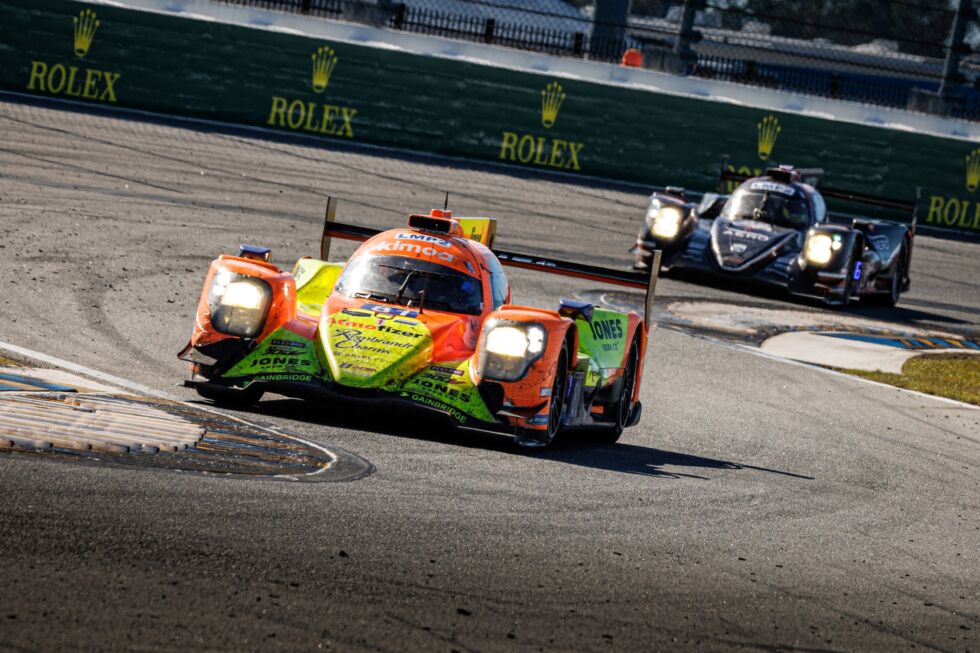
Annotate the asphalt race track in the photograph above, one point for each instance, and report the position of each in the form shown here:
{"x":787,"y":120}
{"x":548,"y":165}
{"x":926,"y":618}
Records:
{"x":759,"y":505}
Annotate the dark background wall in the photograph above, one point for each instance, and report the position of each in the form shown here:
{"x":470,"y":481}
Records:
{"x":256,"y":77}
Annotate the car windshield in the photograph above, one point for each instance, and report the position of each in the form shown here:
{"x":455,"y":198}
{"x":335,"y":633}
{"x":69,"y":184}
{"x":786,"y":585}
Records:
{"x":775,"y":208}
{"x":401,"y":280}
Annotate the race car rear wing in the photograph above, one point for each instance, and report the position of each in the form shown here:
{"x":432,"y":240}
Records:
{"x":812,"y":176}
{"x":640,"y":280}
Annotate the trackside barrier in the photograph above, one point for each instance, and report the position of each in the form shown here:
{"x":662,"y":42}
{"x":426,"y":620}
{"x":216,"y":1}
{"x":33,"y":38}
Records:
{"x":113,"y":56}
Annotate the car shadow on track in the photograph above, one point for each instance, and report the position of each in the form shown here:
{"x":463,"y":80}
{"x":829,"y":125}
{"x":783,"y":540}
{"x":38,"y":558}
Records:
{"x":780,"y":298}
{"x":579,"y":447}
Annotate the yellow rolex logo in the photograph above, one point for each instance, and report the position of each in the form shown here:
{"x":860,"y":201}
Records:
{"x":85,"y":26}
{"x":768,"y":133}
{"x":551,"y":98}
{"x":324,"y":61}
{"x":973,"y":170}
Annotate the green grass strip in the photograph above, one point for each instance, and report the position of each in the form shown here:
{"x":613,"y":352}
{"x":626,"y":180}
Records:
{"x":954,"y":376}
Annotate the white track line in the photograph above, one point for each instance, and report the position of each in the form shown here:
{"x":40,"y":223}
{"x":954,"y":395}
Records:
{"x":150,"y":392}
{"x":87,"y":371}
{"x":758,"y":352}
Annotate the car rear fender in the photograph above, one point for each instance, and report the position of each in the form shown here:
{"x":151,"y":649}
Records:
{"x":607,"y":339}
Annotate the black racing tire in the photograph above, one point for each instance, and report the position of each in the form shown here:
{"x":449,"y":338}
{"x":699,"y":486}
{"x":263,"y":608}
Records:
{"x":623,"y":406}
{"x":848,"y":293}
{"x":535,"y":439}
{"x":559,"y":389}
{"x":890,"y":298}
{"x":229,"y":397}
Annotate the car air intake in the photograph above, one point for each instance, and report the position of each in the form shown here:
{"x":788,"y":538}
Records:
{"x":440,"y":222}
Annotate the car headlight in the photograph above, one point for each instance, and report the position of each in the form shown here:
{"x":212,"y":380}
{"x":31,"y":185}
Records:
{"x":819,"y":249}
{"x":663,"y":221}
{"x":239,"y":304}
{"x":509,"y":349}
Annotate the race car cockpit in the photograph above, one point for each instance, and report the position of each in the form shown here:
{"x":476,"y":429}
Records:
{"x":781,"y":205}
{"x":411,"y":282}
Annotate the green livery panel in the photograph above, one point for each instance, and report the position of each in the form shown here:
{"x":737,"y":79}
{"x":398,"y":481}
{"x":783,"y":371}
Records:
{"x":603,"y":341}
{"x":368,"y":350}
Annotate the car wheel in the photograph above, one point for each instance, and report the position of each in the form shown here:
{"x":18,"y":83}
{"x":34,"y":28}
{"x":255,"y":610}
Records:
{"x":623,"y":407}
{"x":891,"y":297}
{"x":556,"y":409}
{"x":849,"y":283}
{"x":229,"y":397}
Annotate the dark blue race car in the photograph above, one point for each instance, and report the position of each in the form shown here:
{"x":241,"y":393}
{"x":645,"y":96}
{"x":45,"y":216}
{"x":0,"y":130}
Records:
{"x":776,"y":229}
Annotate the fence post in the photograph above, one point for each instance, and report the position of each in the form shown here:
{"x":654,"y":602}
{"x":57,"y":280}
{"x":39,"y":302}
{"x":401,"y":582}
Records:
{"x":945,"y":102}
{"x":488,"y":30}
{"x":686,"y":34}
{"x":400,"y":16}
{"x":306,"y":6}
{"x":951,"y":69}
{"x":609,"y":29}
{"x":579,"y":44}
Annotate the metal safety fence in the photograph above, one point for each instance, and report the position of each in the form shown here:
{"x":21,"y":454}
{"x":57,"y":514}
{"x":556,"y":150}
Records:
{"x":892,"y":53}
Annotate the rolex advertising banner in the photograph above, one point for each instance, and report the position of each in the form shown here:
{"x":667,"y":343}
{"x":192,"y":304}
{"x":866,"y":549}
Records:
{"x":112,"y":56}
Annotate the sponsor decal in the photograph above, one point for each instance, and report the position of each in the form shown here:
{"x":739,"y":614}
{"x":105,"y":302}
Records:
{"x":768,"y":133}
{"x":745,"y":235}
{"x":76,"y":81}
{"x":424,"y":238}
{"x":540,"y":418}
{"x":354,"y":339}
{"x":416,"y":249}
{"x":773,"y":187}
{"x":280,"y":351}
{"x":389,"y":310}
{"x":384,"y":328}
{"x":958,"y":212}
{"x":441,"y":388}
{"x":438,"y":405}
{"x":315,"y":117}
{"x":953,"y":212}
{"x":86,"y":23}
{"x":267,"y":361}
{"x":324,"y":61}
{"x":284,"y":377}
{"x":552,"y":97}
{"x":446,"y":370}
{"x":339,"y":321}
{"x":544,"y":151}
{"x":607,"y":329}
{"x":358,"y":370}
{"x":881,"y":243}
{"x":973,"y":170}
{"x":288,"y":343}
{"x":277,"y":354}
{"x":604,"y":339}
{"x":738,"y":248}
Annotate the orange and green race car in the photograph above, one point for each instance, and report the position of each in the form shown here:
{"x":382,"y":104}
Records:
{"x":421,"y":317}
